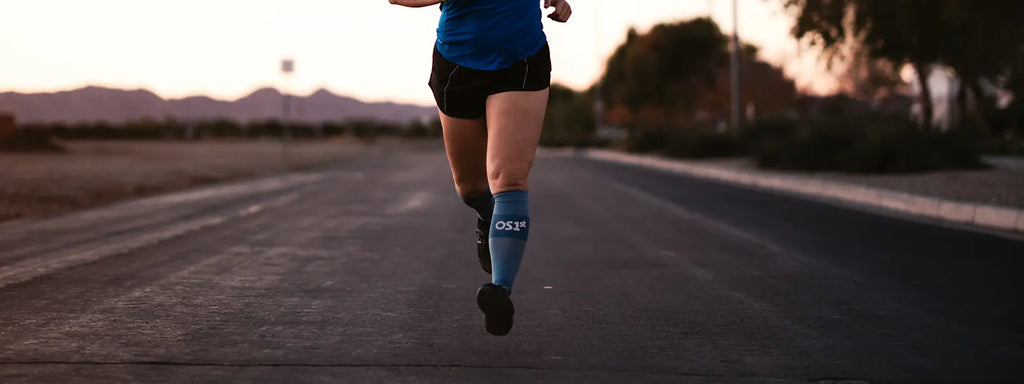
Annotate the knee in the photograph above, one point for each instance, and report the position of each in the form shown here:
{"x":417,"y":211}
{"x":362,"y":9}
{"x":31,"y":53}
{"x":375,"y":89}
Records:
{"x":502,"y":180}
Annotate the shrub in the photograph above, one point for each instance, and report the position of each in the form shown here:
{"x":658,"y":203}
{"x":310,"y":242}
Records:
{"x":645,"y":140}
{"x":569,"y":120}
{"x":686,"y":142}
{"x":418,"y":129}
{"x":1003,"y":146}
{"x":858,"y":145}
{"x":699,"y":143}
{"x":29,"y":140}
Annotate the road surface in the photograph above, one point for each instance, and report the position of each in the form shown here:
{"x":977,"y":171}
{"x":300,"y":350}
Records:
{"x":365,"y":272}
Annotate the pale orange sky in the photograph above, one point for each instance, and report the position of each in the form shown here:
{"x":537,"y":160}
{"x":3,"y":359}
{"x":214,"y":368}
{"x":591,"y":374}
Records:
{"x":368,"y":49}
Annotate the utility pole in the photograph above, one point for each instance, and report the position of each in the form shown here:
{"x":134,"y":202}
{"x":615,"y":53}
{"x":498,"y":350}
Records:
{"x":735,"y":69}
{"x":287,"y":68}
{"x":598,"y":102}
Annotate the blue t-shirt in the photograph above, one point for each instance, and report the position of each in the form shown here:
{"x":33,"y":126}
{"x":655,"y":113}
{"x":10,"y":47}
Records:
{"x":489,"y":34}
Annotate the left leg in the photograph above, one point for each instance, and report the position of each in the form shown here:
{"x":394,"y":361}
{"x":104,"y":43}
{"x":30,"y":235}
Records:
{"x":514,"y":121}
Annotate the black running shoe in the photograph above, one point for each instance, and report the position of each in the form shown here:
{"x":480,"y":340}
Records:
{"x":493,"y":300}
{"x":483,"y":248}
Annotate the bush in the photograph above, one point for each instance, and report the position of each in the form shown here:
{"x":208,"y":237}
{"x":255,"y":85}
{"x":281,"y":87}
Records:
{"x":688,"y":142}
{"x":1003,"y":146}
{"x":699,"y":143}
{"x":569,"y":120}
{"x":148,"y":129}
{"x":419,"y":129}
{"x":29,"y":140}
{"x":646,"y":140}
{"x":858,"y":145}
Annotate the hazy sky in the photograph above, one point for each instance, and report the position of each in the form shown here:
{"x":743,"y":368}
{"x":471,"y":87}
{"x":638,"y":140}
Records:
{"x":368,"y":49}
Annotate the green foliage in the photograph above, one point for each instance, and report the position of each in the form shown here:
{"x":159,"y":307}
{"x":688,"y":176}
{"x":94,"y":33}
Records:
{"x":689,"y":142}
{"x":646,"y":141}
{"x":29,"y":141}
{"x":678,"y":74}
{"x":858,"y":145}
{"x":861,"y":145}
{"x":148,"y":129}
{"x":421,"y":129}
{"x":659,"y":68}
{"x":1003,"y":146}
{"x":700,"y":143}
{"x":905,"y":33}
{"x":980,"y":40}
{"x":569,"y":120}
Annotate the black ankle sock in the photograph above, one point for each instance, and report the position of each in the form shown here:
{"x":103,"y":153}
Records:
{"x":483,"y":204}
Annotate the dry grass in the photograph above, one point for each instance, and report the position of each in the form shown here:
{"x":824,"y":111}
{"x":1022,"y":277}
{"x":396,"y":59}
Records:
{"x":98,"y":172}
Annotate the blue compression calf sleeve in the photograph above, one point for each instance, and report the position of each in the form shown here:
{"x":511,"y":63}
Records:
{"x":510,"y":226}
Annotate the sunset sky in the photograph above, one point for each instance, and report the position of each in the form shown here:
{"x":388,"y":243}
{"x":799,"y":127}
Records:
{"x":367,"y":49}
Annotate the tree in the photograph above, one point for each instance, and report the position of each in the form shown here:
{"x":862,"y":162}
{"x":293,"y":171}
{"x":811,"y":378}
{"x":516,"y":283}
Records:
{"x":983,"y":47}
{"x":870,"y":79}
{"x":979,"y":40}
{"x":678,"y":73}
{"x":908,"y":32}
{"x":569,"y":119}
{"x":659,"y":69}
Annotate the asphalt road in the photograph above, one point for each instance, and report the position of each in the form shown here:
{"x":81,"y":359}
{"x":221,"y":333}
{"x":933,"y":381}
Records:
{"x":365,"y":272}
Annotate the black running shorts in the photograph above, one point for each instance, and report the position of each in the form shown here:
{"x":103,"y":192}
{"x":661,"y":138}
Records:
{"x":462,"y":92}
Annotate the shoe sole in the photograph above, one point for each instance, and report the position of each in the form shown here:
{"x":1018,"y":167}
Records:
{"x":485,"y":263}
{"x":498,"y":311}
{"x":483,"y":254}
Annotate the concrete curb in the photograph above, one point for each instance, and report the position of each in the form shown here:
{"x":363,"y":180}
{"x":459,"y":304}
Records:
{"x":980,"y":215}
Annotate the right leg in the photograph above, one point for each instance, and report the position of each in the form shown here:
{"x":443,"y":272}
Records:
{"x":465,"y":141}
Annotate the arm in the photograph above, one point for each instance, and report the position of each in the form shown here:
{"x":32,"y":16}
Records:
{"x":416,"y":3}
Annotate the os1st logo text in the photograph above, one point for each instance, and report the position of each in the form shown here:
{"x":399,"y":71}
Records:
{"x":510,"y":225}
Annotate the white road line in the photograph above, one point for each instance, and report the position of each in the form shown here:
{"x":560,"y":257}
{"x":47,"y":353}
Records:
{"x":16,"y":229}
{"x":46,"y":264}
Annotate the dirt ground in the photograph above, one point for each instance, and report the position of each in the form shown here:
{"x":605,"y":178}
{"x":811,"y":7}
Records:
{"x":92,"y":173}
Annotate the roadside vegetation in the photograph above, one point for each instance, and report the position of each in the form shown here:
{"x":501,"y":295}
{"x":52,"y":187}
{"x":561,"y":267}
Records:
{"x":171,"y":129}
{"x":88,"y":173}
{"x":667,"y":91}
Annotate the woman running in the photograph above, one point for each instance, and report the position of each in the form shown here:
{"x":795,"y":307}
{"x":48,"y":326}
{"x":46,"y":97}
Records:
{"x":490,"y":78}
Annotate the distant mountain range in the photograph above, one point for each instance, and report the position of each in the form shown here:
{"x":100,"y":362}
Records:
{"x":91,"y":104}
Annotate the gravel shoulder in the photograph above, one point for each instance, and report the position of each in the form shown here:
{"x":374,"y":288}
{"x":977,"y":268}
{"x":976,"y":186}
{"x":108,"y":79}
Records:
{"x":93,"y":173}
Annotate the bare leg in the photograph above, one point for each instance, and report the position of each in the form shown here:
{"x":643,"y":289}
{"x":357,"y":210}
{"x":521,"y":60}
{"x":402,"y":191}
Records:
{"x":514,"y":121}
{"x":465,"y":141}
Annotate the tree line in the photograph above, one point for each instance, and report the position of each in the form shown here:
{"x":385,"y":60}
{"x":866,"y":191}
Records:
{"x":981,"y":42}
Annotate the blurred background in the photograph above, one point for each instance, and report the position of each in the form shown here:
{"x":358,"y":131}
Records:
{"x":148,"y":97}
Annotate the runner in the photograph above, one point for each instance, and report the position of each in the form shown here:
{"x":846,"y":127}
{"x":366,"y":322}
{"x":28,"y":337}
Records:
{"x":490,"y":78}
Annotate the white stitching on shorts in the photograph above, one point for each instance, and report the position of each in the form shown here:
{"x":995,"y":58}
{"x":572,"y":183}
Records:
{"x":527,"y":75}
{"x":445,"y":93}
